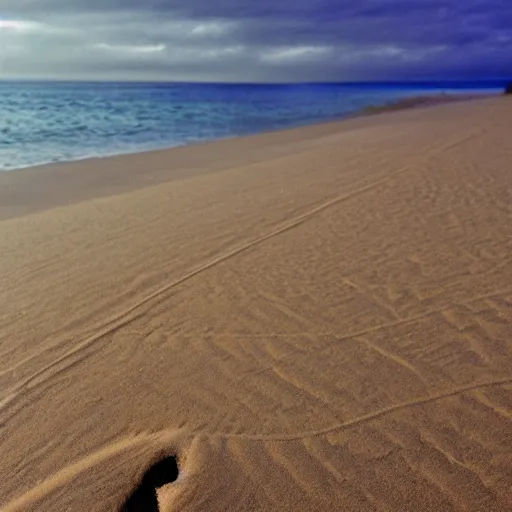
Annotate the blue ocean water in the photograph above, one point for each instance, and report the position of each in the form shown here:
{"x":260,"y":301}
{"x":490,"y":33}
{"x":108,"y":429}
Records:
{"x":56,"y":121}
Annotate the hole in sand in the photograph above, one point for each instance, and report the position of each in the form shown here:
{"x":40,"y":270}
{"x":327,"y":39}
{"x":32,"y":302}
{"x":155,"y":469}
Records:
{"x":144,"y":498}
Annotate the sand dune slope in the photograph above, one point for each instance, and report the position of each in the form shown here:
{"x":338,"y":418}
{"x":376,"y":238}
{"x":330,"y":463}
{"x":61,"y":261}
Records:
{"x":323,"y":324}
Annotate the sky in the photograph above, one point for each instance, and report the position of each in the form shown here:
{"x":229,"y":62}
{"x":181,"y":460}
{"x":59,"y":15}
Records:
{"x":255,"y":40}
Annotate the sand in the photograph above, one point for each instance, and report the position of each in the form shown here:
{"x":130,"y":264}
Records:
{"x":314,"y":319}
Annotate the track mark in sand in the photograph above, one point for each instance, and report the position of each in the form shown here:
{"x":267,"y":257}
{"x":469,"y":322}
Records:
{"x":129,"y":315}
{"x":497,"y":409}
{"x":371,"y":416}
{"x":400,"y":361}
{"x":144,"y":497}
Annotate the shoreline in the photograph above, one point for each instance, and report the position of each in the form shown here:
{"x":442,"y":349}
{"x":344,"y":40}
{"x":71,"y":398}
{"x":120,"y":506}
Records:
{"x":421,"y":101}
{"x":30,"y":189}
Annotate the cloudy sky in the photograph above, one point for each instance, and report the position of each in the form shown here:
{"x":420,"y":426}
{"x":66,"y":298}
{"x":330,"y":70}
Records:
{"x":255,"y":40}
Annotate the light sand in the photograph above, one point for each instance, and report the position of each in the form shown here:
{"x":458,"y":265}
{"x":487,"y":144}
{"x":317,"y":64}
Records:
{"x":316,"y":319}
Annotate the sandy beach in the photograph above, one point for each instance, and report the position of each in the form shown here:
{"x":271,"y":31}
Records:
{"x":316,"y":319}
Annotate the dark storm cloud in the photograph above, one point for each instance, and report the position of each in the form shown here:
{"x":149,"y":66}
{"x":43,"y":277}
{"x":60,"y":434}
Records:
{"x":256,"y":40}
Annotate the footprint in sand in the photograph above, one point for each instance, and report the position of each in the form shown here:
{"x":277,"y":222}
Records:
{"x":144,"y":497}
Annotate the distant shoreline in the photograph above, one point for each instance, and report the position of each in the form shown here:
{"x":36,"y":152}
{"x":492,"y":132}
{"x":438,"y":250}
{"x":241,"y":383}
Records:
{"x":390,"y":106}
{"x":420,"y":102}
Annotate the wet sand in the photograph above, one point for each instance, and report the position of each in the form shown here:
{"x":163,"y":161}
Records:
{"x":313,"y":319}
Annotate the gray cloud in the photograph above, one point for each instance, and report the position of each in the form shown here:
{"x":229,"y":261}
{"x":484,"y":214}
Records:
{"x":264,"y":40}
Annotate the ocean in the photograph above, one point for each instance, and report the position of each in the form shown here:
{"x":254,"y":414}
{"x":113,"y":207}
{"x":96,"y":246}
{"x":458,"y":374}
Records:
{"x":55,"y":121}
